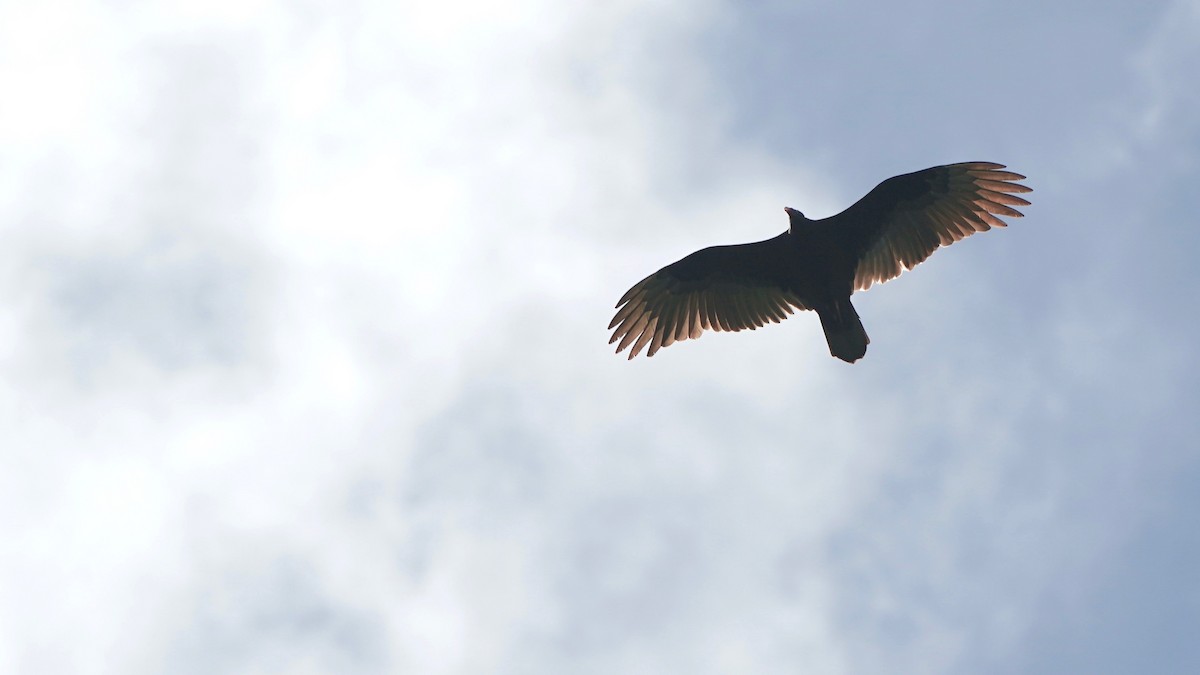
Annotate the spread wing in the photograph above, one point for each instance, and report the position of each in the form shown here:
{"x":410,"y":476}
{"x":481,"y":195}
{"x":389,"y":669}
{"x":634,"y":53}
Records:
{"x":906,"y":218}
{"x":722,"y":288}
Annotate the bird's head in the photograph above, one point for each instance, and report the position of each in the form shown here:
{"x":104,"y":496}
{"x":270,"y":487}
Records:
{"x":794,"y":216}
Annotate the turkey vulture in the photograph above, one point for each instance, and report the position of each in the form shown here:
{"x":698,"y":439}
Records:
{"x":817,"y":264}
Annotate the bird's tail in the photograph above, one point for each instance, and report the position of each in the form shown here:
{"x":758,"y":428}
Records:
{"x":843,"y":331}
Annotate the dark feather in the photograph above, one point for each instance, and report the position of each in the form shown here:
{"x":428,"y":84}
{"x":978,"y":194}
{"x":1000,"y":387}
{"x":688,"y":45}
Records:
{"x":906,"y":218}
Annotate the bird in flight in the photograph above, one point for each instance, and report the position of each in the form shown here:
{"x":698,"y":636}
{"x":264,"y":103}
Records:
{"x":817,"y":264}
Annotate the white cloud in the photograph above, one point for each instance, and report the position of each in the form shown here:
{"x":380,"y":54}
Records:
{"x":304,"y":369}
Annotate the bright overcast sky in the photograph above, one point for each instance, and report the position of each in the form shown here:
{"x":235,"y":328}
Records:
{"x":304,"y":368}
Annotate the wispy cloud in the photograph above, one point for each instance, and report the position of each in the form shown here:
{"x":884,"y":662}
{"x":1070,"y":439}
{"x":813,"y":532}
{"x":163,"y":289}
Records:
{"x":303,"y":362}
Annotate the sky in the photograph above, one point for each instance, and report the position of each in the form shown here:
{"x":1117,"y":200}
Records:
{"x":304,"y":368}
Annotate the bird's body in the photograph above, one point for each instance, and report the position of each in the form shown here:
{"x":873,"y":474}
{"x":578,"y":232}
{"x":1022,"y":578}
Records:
{"x":817,"y":264}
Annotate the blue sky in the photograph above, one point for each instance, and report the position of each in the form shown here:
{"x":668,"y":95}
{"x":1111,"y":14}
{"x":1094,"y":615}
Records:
{"x":303,"y":364}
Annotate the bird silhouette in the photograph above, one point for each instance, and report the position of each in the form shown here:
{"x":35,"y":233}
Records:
{"x":818,"y":264}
